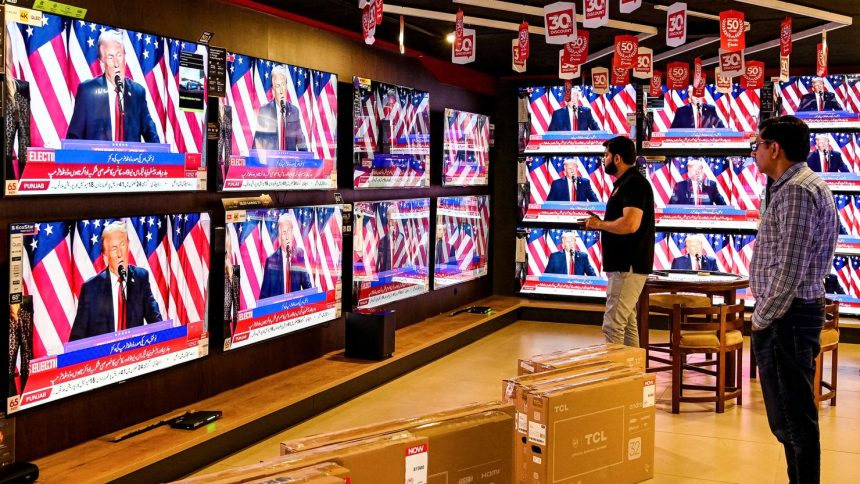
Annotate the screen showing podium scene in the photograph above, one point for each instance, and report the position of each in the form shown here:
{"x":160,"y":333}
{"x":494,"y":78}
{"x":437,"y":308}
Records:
{"x":91,"y":108}
{"x":560,"y":261}
{"x":830,"y":102}
{"x":278,"y":127}
{"x":282,"y":271}
{"x":466,"y":149}
{"x":563,"y":188}
{"x":95,"y":302}
{"x":391,"y":135}
{"x":580,"y":125}
{"x":706,"y":191}
{"x":460,"y":247}
{"x":716,"y":120}
{"x":835,"y":156}
{"x":390,"y":257}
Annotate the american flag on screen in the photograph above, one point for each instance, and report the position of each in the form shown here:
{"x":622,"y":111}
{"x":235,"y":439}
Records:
{"x":323,"y":137}
{"x":849,"y":93}
{"x":483,"y":229}
{"x":418,"y":112}
{"x":717,"y":169}
{"x":793,"y":90}
{"x":243,"y":98}
{"x":663,"y":177}
{"x":719,"y":246}
{"x":588,"y":242}
{"x":742,"y":250}
{"x":368,"y":236}
{"x":189,"y":267}
{"x":538,"y":250}
{"x":855,"y":276}
{"x":248,"y":253}
{"x":147,"y":67}
{"x":610,"y":110}
{"x":845,"y":210}
{"x":845,"y":144}
{"x":413,"y":225}
{"x":327,"y":237}
{"x":149,"y":249}
{"x":738,"y":111}
{"x":662,"y":257}
{"x":463,"y":243}
{"x":541,"y":243}
{"x":183,"y":129}
{"x":842,"y":269}
{"x":855,"y":228}
{"x":543,"y":170}
{"x":465,"y":129}
{"x":749,"y":184}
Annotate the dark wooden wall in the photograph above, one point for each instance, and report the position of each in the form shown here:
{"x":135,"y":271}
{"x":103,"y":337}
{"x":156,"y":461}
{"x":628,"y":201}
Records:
{"x":62,"y":424}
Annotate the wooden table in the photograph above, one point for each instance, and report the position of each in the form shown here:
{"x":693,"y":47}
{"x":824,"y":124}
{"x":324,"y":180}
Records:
{"x":708,"y":284}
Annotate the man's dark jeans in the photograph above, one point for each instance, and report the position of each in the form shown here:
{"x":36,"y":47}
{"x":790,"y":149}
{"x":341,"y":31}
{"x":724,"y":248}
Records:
{"x":786,"y":352}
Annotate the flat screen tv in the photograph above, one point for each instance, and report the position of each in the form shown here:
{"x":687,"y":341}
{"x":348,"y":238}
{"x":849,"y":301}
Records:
{"x":580,"y":125}
{"x":95,"y":302}
{"x":391,"y":244}
{"x":564,"y":188}
{"x":835,"y":156}
{"x":460,"y":247}
{"x":282,"y":271}
{"x":561,"y":261}
{"x":278,"y":127}
{"x":391,"y":135}
{"x":91,"y":108}
{"x":706,"y":191}
{"x":717,"y":120}
{"x":830,"y":102}
{"x":466,"y":149}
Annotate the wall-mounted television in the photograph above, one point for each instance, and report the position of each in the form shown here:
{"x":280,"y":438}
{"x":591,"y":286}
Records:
{"x":95,"y":302}
{"x":562,"y":261}
{"x":466,"y":149}
{"x":460,"y":247}
{"x":717,"y":120}
{"x":91,"y":108}
{"x":391,"y":135}
{"x":282,"y":271}
{"x":564,"y":188}
{"x":830,"y":102}
{"x":835,"y":156}
{"x":278,"y":127}
{"x":580,"y":125}
{"x":390,"y":257}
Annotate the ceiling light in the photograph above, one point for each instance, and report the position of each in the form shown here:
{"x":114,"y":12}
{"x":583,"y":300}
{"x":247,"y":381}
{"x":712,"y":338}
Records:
{"x":450,"y":38}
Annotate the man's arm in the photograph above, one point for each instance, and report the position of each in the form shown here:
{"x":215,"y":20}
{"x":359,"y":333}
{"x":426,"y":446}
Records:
{"x":589,"y":271}
{"x":78,"y":123}
{"x":590,"y":196}
{"x":627,"y":224}
{"x":82,"y":323}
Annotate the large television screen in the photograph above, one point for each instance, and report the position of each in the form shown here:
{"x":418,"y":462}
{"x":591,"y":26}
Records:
{"x":706,"y":191}
{"x":580,"y":125}
{"x":717,"y":120}
{"x":91,"y":108}
{"x":391,"y":135}
{"x":835,"y":155}
{"x":391,"y":251}
{"x":831,"y":102}
{"x":466,"y":149}
{"x":562,"y":261}
{"x":94,"y":302}
{"x":460,"y":248}
{"x":564,"y":188}
{"x":278,"y":127}
{"x":282,"y":271}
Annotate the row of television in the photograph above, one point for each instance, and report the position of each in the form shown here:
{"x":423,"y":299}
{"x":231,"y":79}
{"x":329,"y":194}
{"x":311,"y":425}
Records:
{"x":566,"y":262}
{"x":90,"y":108}
{"x":93,"y":302}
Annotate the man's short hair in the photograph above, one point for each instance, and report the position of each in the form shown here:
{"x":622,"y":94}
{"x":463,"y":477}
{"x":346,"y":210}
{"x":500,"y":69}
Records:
{"x":111,"y":35}
{"x":791,"y":133}
{"x":823,"y":136}
{"x":694,"y":238}
{"x":279,"y":70}
{"x":287,"y":217}
{"x":115,"y":226}
{"x":818,"y":79}
{"x":696,"y":161}
{"x":623,"y":147}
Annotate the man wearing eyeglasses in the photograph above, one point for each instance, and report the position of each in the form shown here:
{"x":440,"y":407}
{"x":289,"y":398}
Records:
{"x":793,"y":255}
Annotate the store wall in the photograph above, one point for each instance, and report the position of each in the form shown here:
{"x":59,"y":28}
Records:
{"x":62,"y":424}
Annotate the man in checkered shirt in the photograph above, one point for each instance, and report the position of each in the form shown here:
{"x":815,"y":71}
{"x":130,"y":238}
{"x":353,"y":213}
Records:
{"x":793,"y":254}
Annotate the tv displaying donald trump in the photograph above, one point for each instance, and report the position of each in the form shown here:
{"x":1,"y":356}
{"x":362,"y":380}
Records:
{"x":827,"y":102}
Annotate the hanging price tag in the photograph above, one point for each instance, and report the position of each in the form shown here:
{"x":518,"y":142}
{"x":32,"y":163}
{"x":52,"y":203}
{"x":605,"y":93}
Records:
{"x":566,"y":68}
{"x":626,"y":47}
{"x":524,"y":39}
{"x":600,"y":80}
{"x":628,"y":6}
{"x":559,"y":21}
{"x":595,"y":13}
{"x":785,"y":37}
{"x":678,"y":75}
{"x":753,"y":77}
{"x":578,"y":48}
{"x":518,"y":62}
{"x":676,"y":24}
{"x":655,"y":88}
{"x":465,"y":53}
{"x":368,"y":24}
{"x":644,"y":67}
{"x":724,"y":84}
{"x":731,"y":63}
{"x":732,"y":29}
{"x":620,"y":76}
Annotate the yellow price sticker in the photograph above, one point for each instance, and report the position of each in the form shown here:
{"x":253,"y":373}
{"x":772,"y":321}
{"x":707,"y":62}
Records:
{"x":60,"y":8}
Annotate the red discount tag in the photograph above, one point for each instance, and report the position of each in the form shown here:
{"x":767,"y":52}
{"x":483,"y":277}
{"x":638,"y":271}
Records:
{"x":644,"y":63}
{"x":559,"y":20}
{"x":732,"y":29}
{"x":379,"y":7}
{"x":821,"y":60}
{"x":678,"y":75}
{"x":753,"y":77}
{"x":676,"y":24}
{"x":628,"y":6}
{"x":655,"y":89}
{"x":620,"y":76}
{"x":568,"y":87}
{"x":368,"y":23}
{"x":600,"y":80}
{"x":578,"y":48}
{"x":595,"y":13}
{"x":785,"y":37}
{"x":731,"y":63}
{"x":458,"y":27}
{"x":625,"y":51}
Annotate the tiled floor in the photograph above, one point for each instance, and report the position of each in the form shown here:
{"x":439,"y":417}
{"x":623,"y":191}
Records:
{"x":697,"y":445}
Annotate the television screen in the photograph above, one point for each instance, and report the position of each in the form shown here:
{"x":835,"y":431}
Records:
{"x":717,"y":120}
{"x":706,"y":191}
{"x":580,"y":125}
{"x":562,"y":261}
{"x":563,"y":189}
{"x":90,"y":108}
{"x":94,"y":302}
{"x":462,"y":227}
{"x":843,"y":283}
{"x":390,"y":257}
{"x":466,"y":150}
{"x":391,"y":135}
{"x":831,"y":102}
{"x":278,"y":127}
{"x":836,"y":157}
{"x":282,"y":271}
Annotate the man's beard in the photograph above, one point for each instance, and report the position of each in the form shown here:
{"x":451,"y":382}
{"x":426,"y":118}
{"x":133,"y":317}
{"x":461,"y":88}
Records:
{"x":611,"y":169}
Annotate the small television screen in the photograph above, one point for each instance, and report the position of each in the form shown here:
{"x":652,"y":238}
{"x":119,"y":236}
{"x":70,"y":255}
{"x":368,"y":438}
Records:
{"x":95,"y":302}
{"x":460,"y":247}
{"x":561,"y":261}
{"x":835,"y":156}
{"x":391,"y":135}
{"x":564,"y":188}
{"x":466,"y":149}
{"x":843,"y":283}
{"x":278,"y":127}
{"x":91,"y":108}
{"x":282,"y":271}
{"x":830,"y":102}
{"x":717,"y":120}
{"x":390,"y":257}
{"x":706,"y":191}
{"x":580,"y":125}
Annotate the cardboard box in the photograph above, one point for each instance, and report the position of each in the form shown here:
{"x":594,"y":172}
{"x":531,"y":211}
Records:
{"x":595,"y":430}
{"x":624,"y":355}
{"x":399,"y":425}
{"x":325,"y":473}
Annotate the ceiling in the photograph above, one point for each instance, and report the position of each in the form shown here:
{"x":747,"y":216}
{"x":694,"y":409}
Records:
{"x":493,"y":53}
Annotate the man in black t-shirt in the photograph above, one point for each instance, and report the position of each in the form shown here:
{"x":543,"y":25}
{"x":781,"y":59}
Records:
{"x":627,"y":234}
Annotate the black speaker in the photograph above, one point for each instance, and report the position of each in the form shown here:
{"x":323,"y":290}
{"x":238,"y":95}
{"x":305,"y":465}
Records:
{"x":370,"y":334}
{"x":19,"y":472}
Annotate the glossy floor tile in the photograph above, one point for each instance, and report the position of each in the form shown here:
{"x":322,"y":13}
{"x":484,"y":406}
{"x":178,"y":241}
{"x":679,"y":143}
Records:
{"x":697,"y":445}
